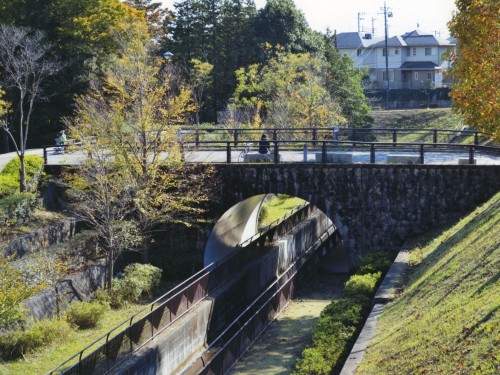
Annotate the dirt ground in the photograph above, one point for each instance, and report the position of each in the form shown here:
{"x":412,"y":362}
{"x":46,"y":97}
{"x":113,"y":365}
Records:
{"x":277,"y":349}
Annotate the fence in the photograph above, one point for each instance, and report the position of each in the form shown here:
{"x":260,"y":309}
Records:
{"x":113,"y":348}
{"x":324,"y":148}
{"x":236,"y":135}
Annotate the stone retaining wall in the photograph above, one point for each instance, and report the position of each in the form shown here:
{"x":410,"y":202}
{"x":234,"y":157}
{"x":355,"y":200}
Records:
{"x":41,"y":238}
{"x":375,"y":207}
{"x":78,"y":286}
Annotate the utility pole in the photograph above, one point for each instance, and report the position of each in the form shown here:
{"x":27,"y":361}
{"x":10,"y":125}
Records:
{"x":360,"y":19}
{"x":386,"y":14}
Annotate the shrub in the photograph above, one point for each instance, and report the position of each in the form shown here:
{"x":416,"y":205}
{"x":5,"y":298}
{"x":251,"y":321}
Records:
{"x":362,"y":285}
{"x":85,"y":314}
{"x":9,"y":176}
{"x":33,"y":164}
{"x":16,"y":343}
{"x":17,"y":207}
{"x":9,"y":183}
{"x":375,"y":262}
{"x":139,"y":281}
{"x":312,"y":362}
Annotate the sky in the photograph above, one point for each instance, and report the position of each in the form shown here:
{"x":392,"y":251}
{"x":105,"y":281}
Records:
{"x":342,"y":15}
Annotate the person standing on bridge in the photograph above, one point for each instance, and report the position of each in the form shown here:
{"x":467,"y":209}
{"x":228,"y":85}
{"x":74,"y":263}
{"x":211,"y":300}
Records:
{"x":264,"y":145}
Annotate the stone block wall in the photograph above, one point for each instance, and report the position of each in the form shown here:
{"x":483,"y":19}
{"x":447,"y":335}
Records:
{"x":374,"y":207}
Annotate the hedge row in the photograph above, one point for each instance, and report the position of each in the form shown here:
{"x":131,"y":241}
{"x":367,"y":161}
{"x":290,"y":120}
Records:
{"x":341,"y":321}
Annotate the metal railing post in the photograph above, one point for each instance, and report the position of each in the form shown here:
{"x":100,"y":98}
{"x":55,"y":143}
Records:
{"x":305,"y":152}
{"x":394,"y":138}
{"x":323,"y":153}
{"x":471,"y":154}
{"x":235,"y":137}
{"x":275,"y":135}
{"x":197,"y":139}
{"x":228,"y":152}
{"x":315,"y":136}
{"x":276,"y":153}
{"x":476,"y":138}
{"x":372,"y":153}
{"x":45,"y":161}
{"x":422,"y":153}
{"x":435,"y":137}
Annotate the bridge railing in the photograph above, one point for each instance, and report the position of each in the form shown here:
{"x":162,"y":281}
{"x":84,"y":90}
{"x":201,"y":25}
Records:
{"x":237,"y":135}
{"x":321,"y":149}
{"x":111,"y":349}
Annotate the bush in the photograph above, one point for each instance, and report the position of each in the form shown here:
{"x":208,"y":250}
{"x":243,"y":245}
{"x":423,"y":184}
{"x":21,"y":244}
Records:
{"x":312,"y":362}
{"x":16,"y":343}
{"x":9,"y":176}
{"x":9,"y":184}
{"x":17,"y":207}
{"x":139,"y":281}
{"x":85,"y":314}
{"x":362,"y":285}
{"x":375,"y":262}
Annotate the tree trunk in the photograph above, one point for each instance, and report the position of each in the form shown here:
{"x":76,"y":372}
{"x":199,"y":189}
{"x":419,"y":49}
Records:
{"x":22,"y":174}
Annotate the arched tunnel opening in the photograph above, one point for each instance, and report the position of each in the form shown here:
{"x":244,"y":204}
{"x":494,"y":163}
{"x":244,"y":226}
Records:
{"x":248,"y":218}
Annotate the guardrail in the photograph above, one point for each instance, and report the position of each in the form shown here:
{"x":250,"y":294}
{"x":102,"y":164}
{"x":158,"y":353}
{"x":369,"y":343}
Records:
{"x":111,"y":349}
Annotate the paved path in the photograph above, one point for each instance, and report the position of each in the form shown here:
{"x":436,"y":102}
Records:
{"x":277,"y":350}
{"x":288,"y":156}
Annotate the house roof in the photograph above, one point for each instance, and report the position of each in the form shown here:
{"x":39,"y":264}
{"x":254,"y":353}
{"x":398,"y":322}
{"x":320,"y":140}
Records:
{"x":395,"y":41}
{"x":355,"y":40}
{"x":419,"y":65}
{"x":419,"y":38}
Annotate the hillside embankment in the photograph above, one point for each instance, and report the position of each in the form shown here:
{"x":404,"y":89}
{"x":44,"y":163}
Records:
{"x":447,"y":318}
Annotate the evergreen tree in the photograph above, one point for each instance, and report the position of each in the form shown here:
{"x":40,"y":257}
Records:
{"x":281,"y":22}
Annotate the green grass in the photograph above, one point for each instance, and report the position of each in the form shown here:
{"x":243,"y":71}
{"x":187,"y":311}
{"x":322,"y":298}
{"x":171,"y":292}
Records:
{"x":277,"y":207}
{"x":51,"y":356}
{"x":447,"y":319}
{"x":438,"y":118}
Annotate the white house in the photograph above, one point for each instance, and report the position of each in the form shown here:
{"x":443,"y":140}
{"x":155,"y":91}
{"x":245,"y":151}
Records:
{"x":415,"y":59}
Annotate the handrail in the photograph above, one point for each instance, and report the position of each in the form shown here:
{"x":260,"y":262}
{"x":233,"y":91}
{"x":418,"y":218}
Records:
{"x":160,"y":302}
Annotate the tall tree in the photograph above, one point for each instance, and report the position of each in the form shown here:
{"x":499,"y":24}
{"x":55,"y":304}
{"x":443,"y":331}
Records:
{"x":292,"y":89}
{"x":156,"y":17}
{"x":133,"y":177}
{"x":280,"y":22}
{"x":476,"y":93}
{"x":26,"y":62}
{"x":200,"y":76}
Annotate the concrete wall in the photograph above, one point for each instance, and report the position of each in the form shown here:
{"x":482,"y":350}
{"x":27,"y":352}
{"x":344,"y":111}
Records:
{"x":375,"y":207}
{"x":185,"y":339}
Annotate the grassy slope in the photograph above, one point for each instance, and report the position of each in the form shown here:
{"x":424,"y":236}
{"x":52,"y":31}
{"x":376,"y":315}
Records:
{"x":277,"y":207}
{"x":447,"y":319}
{"x":49,"y":357}
{"x":438,"y":118}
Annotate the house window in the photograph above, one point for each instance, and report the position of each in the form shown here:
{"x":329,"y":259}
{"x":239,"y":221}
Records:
{"x":391,"y":75}
{"x":416,"y":76}
{"x":428,"y":51}
{"x":408,"y":52}
{"x":359,"y":51}
{"x":384,"y":52}
{"x":414,"y":51}
{"x":429,"y":76}
{"x":396,"y":51}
